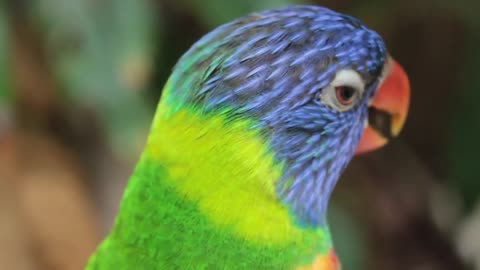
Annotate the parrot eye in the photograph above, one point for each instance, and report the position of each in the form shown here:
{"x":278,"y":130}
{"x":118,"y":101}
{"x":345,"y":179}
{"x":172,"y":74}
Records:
{"x":344,"y":92}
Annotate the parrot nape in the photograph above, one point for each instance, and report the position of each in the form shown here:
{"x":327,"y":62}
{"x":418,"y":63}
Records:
{"x":255,"y":125}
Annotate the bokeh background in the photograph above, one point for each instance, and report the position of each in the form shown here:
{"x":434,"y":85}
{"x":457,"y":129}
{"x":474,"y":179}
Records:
{"x":80,"y":79}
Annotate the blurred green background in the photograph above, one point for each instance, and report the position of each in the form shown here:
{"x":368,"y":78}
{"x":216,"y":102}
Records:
{"x":80,"y":79}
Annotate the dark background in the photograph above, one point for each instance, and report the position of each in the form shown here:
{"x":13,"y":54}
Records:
{"x":79,"y":81}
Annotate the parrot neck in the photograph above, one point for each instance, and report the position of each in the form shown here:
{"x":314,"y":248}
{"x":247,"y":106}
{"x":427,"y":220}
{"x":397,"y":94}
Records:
{"x":204,"y":194}
{"x":224,"y":167}
{"x":311,"y":172}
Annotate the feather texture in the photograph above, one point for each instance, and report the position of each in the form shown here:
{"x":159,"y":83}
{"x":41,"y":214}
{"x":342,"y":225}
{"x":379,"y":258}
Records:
{"x":178,"y":211}
{"x":242,"y":156}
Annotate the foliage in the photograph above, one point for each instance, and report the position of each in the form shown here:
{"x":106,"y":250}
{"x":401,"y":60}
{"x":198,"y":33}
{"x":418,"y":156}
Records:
{"x":102,"y":52}
{"x":5,"y":93}
{"x":106,"y":54}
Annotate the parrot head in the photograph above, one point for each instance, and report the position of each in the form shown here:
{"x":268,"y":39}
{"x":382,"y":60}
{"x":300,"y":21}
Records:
{"x":318,"y":85}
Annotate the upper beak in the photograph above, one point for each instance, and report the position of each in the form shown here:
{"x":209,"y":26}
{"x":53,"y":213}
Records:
{"x":388,"y":110}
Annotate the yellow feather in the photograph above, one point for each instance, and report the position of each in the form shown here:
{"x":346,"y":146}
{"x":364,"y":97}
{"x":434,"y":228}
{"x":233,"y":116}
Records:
{"x":227,"y":169}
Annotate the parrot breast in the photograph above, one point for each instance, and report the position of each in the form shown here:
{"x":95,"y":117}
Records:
{"x":203,"y":197}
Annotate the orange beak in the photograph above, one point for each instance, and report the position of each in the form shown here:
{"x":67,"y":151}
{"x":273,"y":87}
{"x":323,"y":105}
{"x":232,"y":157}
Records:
{"x":388,"y":110}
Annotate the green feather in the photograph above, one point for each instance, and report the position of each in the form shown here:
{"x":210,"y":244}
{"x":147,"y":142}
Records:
{"x":202,"y":197}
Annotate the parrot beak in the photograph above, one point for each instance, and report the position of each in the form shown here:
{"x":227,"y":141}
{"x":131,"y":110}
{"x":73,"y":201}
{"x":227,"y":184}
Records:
{"x":388,"y":109}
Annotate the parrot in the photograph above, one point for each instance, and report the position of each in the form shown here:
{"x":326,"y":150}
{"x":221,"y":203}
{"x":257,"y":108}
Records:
{"x":254,"y":127}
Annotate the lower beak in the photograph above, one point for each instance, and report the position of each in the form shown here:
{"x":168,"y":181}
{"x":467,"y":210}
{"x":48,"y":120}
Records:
{"x":388,"y":110}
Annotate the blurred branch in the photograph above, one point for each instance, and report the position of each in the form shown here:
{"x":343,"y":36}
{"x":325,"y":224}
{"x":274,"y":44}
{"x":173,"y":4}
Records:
{"x":54,"y":204}
{"x":13,"y":239}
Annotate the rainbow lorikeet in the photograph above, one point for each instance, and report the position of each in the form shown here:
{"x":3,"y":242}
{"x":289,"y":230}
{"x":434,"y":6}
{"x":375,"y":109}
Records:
{"x":255,"y":125}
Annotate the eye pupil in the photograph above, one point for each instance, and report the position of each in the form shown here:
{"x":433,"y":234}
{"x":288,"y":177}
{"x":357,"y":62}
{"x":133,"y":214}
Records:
{"x":345,"y":94}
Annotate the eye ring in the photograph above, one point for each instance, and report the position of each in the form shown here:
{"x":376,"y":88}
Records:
{"x":344,"y":92}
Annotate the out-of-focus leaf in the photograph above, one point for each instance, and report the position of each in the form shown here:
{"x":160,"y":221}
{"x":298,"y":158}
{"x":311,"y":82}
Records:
{"x":102,"y":52}
{"x":5,"y":93}
{"x":216,"y":12}
{"x":5,"y":90}
{"x":464,"y":147}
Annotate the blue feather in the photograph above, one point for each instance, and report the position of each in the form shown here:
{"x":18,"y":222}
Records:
{"x":270,"y":67}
